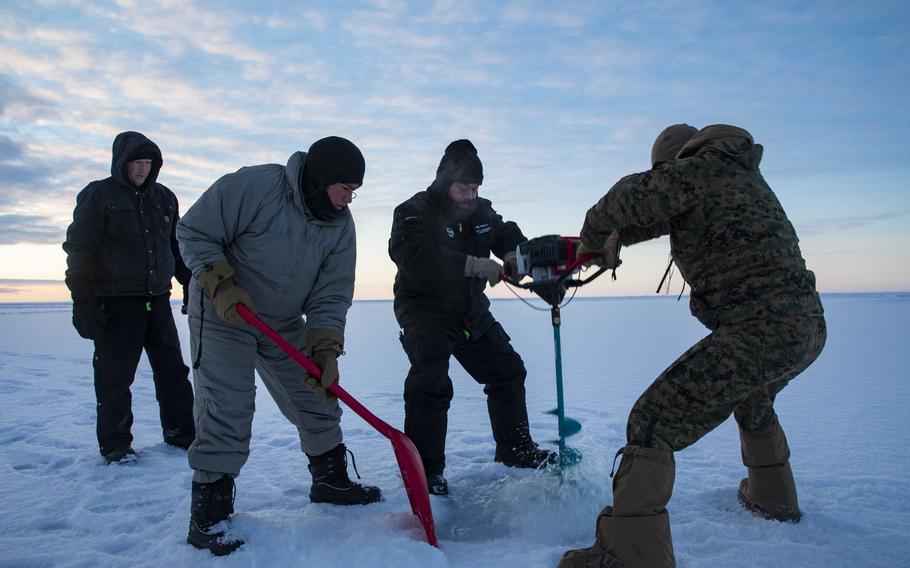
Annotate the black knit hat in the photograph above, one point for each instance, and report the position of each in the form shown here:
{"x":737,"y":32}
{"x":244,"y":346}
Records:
{"x":334,"y":160}
{"x":459,"y":164}
{"x":147,"y":151}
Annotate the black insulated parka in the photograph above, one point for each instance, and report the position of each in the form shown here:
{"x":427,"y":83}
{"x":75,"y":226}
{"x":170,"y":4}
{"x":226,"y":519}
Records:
{"x":122,"y":241}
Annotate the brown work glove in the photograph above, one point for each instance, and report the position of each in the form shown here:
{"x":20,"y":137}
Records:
{"x":217,"y":281}
{"x":324,"y":345}
{"x":607,"y":255}
{"x":475,"y":266}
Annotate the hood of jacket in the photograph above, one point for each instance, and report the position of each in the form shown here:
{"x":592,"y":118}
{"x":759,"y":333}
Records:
{"x":124,"y":145}
{"x":730,"y":141}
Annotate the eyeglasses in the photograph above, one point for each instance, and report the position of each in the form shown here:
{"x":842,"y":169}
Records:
{"x":350,"y":190}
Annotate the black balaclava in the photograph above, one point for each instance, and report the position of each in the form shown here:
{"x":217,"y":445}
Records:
{"x":459,"y":164}
{"x":330,"y":160}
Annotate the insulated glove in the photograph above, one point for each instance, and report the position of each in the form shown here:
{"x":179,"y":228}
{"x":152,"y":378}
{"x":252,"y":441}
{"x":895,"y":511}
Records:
{"x":488,"y":268}
{"x":324,"y":346}
{"x":217,"y":281}
{"x":606,"y":255}
{"x":88,"y":319}
{"x":510,"y":265}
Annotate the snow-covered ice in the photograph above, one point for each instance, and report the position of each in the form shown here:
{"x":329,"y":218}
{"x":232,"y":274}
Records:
{"x":846,"y":419}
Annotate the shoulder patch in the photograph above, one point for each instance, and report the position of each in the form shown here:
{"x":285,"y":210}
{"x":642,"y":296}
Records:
{"x":482,"y":229}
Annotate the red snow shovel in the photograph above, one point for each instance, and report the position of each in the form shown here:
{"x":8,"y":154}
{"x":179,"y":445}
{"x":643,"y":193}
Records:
{"x":409,"y":462}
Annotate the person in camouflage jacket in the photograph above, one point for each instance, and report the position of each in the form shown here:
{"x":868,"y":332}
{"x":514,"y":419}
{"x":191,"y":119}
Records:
{"x":735,"y":247}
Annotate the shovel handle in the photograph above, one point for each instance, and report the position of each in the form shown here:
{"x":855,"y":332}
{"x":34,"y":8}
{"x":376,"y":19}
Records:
{"x":381,"y":426}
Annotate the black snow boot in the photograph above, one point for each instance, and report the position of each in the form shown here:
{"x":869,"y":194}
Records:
{"x":437,"y":484}
{"x":212,"y":504}
{"x":180,"y":437}
{"x":121,"y":456}
{"x":514,"y":445}
{"x":331,"y":483}
{"x":525,"y":454}
{"x":515,"y":448}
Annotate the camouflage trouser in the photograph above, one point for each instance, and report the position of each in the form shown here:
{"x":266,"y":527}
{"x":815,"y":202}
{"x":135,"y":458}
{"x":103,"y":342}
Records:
{"x":736,"y":369}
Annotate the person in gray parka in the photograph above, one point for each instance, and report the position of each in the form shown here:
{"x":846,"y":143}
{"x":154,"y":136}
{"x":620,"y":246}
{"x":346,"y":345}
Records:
{"x":279,"y":240}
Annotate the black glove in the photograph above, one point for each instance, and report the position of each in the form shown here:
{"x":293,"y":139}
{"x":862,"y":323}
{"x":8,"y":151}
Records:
{"x":88,"y":319}
{"x":510,"y":266}
{"x":186,"y":299}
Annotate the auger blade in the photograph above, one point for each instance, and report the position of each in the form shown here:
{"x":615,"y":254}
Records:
{"x":569,"y":426}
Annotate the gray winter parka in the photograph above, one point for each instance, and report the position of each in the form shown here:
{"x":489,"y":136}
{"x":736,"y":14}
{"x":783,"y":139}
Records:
{"x":290,"y":262}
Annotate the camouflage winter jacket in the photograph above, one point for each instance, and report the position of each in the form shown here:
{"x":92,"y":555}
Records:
{"x":729,"y":235}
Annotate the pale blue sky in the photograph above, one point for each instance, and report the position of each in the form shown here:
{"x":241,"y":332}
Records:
{"x":561,"y":100}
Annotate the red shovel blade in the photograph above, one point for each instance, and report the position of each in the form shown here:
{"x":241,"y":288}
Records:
{"x":415,"y":482}
{"x":409,"y":462}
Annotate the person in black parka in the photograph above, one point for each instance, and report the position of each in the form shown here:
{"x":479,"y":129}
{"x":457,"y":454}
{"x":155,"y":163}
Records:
{"x":441,"y":242}
{"x":121,"y":256}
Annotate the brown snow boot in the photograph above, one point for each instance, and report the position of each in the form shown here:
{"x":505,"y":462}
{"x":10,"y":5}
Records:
{"x":770,"y":490}
{"x":635,"y":531}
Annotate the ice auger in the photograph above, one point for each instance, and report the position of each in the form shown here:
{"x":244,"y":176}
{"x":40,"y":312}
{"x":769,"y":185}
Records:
{"x":552,"y":262}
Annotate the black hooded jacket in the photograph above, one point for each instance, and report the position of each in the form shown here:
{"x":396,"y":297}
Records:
{"x":430,"y":246}
{"x":122,"y":241}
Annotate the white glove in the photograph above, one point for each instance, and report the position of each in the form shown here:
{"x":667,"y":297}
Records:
{"x":478,"y":267}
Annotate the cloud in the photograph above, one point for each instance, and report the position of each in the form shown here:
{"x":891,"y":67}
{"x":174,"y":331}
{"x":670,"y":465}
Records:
{"x":19,"y":173}
{"x":17,"y":103}
{"x":846,"y":223}
{"x":9,"y":149}
{"x":15,"y":229}
{"x":561,"y":100}
{"x":524,"y":12}
{"x":26,"y":282}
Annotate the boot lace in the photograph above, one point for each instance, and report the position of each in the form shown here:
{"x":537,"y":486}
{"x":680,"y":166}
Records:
{"x":353,"y":463}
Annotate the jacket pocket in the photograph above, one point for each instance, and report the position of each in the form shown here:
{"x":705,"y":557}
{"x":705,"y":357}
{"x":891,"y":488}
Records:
{"x":163,"y":218}
{"x":122,"y":220}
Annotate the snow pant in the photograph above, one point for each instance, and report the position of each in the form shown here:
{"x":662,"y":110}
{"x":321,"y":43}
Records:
{"x":134,"y":323}
{"x":225,"y":357}
{"x":737,"y":369}
{"x":428,"y":391}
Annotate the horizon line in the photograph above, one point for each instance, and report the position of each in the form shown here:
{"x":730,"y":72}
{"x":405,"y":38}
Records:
{"x":536,"y":300}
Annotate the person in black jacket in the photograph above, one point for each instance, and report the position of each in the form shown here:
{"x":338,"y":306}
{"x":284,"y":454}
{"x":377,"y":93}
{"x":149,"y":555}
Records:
{"x":441,"y":242}
{"x":121,"y":255}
